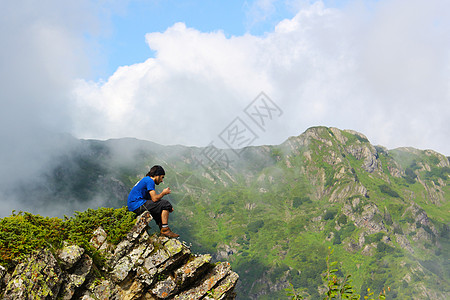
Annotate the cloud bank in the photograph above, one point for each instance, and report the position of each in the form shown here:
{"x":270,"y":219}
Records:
{"x":43,"y":50}
{"x":381,"y":69}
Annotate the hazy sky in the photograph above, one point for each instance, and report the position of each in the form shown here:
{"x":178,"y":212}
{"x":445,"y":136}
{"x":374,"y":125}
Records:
{"x":183,"y":72}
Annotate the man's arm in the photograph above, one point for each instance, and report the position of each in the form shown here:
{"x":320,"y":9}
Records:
{"x":156,"y":197}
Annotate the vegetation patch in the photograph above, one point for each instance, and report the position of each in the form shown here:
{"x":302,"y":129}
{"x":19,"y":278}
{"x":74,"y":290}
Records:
{"x":374,"y":238}
{"x":386,"y":189}
{"x":330,"y":214}
{"x":21,"y":233}
{"x":435,"y":173}
{"x":297,"y":201}
{"x":255,"y":225}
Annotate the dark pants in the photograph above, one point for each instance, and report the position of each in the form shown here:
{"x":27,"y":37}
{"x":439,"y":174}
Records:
{"x":155,"y":209}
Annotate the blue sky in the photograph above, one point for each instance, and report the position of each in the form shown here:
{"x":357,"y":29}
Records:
{"x":124,"y":43}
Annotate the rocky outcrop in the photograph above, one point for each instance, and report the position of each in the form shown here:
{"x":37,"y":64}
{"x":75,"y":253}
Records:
{"x":352,"y":189}
{"x":142,"y":266}
{"x":364,"y":151}
{"x":404,"y":242}
{"x":39,"y":278}
{"x":369,"y":218}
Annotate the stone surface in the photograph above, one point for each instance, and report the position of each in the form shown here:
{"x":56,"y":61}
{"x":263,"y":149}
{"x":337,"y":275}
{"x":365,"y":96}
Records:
{"x":139,"y":267}
{"x":39,"y":278}
{"x":4,"y":277}
{"x":74,"y":280}
{"x":69,"y":255}
{"x":219,"y":272}
{"x":222,"y":291}
{"x":98,"y":238}
{"x":188,"y":272}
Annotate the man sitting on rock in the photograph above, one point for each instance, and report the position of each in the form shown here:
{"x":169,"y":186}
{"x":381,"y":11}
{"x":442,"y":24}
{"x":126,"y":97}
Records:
{"x":144,"y":197}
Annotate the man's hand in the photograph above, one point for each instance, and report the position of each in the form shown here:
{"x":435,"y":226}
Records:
{"x":166,"y":191}
{"x":156,"y":197}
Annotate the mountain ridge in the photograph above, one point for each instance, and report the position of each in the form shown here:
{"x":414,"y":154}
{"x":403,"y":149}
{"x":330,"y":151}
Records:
{"x":273,"y":210}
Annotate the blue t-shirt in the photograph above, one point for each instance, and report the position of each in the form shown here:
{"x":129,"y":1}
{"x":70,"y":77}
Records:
{"x":139,"y":193}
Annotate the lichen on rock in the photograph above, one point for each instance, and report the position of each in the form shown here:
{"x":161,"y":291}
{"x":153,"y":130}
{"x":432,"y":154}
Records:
{"x":140,"y":266}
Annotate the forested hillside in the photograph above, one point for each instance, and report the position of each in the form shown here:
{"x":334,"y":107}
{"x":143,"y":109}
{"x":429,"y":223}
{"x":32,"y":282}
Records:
{"x":273,"y":211}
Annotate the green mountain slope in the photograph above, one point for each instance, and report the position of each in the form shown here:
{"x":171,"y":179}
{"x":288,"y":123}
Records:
{"x":384,"y":212}
{"x":273,"y":211}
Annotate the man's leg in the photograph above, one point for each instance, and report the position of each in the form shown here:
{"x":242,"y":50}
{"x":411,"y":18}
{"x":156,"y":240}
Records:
{"x":165,"y":230}
{"x":165,"y":217}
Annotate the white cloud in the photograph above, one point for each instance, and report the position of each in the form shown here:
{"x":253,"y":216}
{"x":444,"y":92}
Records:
{"x":381,"y":69}
{"x":184,"y":95}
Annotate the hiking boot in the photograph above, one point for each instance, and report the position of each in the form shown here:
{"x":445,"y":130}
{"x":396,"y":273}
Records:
{"x":168,"y":233}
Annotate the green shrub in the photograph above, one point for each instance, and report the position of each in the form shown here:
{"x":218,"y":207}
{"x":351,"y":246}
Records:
{"x":337,"y":238}
{"x":385,"y":189}
{"x":388,"y":218}
{"x":347,"y":230}
{"x":22,"y":233}
{"x":361,"y":139}
{"x":438,"y":173}
{"x":428,"y":229}
{"x":398,"y":229}
{"x":339,"y":286}
{"x":374,"y":238}
{"x":410,"y":176}
{"x":116,"y":222}
{"x":255,"y":225}
{"x":384,"y":248}
{"x":342,"y":220}
{"x":297,"y":201}
{"x":329,"y":214}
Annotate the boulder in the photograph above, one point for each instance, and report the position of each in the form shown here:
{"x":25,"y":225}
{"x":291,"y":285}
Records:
{"x":38,"y":278}
{"x":69,"y":255}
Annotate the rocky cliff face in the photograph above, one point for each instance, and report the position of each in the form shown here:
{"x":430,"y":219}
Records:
{"x":142,"y":266}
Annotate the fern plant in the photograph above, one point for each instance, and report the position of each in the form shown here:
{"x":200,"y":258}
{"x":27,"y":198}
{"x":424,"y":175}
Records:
{"x":337,"y":288}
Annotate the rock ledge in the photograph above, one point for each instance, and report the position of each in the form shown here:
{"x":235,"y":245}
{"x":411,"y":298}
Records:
{"x":139,"y":267}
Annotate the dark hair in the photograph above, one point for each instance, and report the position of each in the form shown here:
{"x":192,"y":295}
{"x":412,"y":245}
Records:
{"x":156,"y":171}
